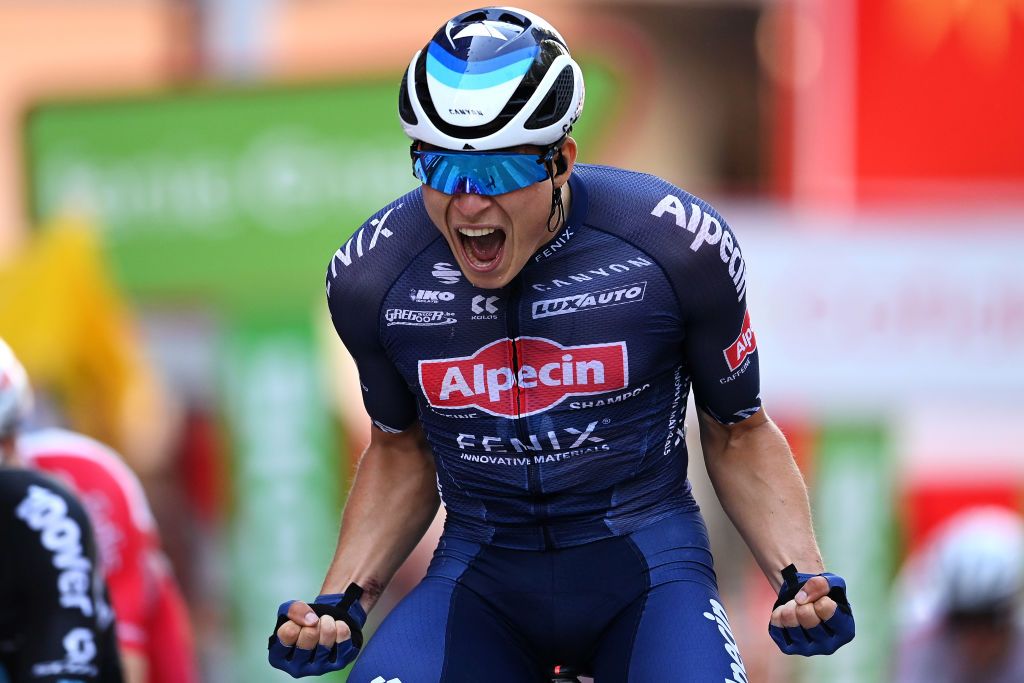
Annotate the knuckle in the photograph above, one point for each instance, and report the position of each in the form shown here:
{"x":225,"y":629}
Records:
{"x":288,"y":633}
{"x":825,"y":608}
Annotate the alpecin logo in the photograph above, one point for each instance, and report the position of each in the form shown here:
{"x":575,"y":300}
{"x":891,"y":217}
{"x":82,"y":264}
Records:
{"x":547,"y":374}
{"x":744,"y":345}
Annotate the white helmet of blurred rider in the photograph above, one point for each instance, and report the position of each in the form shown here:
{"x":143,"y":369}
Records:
{"x":979,"y":562}
{"x":15,"y":392}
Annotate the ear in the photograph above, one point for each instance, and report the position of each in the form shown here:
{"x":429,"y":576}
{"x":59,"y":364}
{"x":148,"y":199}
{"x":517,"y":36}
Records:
{"x":565,"y":161}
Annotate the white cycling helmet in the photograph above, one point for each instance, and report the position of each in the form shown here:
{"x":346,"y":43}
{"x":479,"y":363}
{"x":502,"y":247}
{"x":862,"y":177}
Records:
{"x":15,"y":392}
{"x":980,"y":561}
{"x":491,"y":78}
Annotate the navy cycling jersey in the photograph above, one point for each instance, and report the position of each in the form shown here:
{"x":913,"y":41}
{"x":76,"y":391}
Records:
{"x":554,"y":406}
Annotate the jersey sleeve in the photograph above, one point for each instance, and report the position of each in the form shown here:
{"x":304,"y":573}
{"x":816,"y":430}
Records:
{"x":66,"y":625}
{"x":720,"y":346}
{"x":354,"y":293}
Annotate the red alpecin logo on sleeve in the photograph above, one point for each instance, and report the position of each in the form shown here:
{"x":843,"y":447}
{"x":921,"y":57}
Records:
{"x":516,"y":378}
{"x":744,"y":345}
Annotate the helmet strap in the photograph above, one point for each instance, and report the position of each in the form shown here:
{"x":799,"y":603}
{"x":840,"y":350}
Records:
{"x":557,"y":213}
{"x":557,"y":207}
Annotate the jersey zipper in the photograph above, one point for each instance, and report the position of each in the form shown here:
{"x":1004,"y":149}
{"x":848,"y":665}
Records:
{"x":532,"y":468}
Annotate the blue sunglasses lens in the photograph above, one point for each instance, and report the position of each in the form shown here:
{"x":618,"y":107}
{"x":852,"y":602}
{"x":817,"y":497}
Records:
{"x":478,"y":172}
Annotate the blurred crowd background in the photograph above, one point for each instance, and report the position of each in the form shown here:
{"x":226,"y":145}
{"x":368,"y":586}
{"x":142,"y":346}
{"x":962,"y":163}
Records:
{"x":175,"y":175}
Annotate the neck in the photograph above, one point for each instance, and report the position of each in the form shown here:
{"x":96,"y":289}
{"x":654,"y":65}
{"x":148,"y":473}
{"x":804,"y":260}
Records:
{"x":9,"y":452}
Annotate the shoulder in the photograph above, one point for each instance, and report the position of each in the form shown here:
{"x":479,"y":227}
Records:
{"x":380,"y":249}
{"x":685,"y":234}
{"x":90,"y":466}
{"x":37,"y":498}
{"x":640,"y":204}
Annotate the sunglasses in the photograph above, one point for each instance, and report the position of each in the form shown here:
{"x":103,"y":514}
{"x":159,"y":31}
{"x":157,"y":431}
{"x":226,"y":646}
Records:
{"x":484,"y":173}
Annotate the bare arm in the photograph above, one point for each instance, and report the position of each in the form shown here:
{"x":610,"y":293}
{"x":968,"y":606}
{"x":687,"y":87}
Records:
{"x":762,"y":492}
{"x":393,"y":500}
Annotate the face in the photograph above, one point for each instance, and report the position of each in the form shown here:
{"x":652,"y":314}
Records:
{"x":492,"y":238}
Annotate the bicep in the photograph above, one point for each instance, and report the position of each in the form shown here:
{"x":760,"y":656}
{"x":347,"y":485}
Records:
{"x":386,"y":395}
{"x":720,"y":345}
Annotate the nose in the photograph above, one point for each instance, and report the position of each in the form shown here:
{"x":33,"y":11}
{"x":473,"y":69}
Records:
{"x":469,"y":204}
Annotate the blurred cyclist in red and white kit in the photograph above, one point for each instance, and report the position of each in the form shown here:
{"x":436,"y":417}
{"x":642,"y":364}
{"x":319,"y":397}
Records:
{"x":153,"y":630}
{"x":961,"y":612}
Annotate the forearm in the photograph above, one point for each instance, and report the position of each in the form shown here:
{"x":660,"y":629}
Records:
{"x":763,"y":493}
{"x":393,"y":500}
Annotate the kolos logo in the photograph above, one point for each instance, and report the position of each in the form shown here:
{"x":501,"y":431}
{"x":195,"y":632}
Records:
{"x":744,"y":345}
{"x":545,"y":375}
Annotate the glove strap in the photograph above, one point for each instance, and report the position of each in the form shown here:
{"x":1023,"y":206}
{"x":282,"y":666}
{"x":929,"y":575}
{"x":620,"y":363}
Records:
{"x":347,"y":609}
{"x":793,"y":581}
{"x":342,"y":611}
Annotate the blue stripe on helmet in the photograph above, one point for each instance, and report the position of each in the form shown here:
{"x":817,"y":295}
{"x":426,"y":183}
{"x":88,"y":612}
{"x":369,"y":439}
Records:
{"x":465,"y":81}
{"x":481,"y":66}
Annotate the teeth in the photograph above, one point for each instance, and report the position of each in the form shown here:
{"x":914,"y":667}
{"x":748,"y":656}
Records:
{"x":479,"y":232}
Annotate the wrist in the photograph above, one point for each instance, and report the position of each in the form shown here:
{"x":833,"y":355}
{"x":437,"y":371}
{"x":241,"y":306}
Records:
{"x":372,"y":589}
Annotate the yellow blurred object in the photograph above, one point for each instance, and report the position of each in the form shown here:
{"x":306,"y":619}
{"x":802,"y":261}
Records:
{"x":60,"y":313}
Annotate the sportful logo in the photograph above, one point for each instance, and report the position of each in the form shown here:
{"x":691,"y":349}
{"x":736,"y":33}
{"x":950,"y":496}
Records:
{"x":744,"y":345}
{"x":380,"y":679}
{"x":707,"y":230}
{"x":445,"y":273}
{"x":430,"y":296}
{"x":405,"y":316}
{"x":590,"y":300}
{"x":607,"y":271}
{"x":548,"y":373}
{"x":345,"y":253}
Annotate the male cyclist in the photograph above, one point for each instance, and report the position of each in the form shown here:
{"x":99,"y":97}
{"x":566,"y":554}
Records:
{"x":527,"y":331}
{"x":55,"y":623}
{"x":153,"y":629}
{"x":963,"y":602}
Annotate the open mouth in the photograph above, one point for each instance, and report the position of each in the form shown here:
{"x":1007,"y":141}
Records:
{"x":482,"y":247}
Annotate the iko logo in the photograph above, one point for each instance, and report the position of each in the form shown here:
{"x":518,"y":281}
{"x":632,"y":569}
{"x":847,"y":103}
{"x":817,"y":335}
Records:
{"x":548,"y":373}
{"x":484,"y":303}
{"x":405,"y":316}
{"x":590,"y":300}
{"x":707,"y":231}
{"x":445,"y":273}
{"x":345,"y":253}
{"x":607,"y":271}
{"x":430,"y":296}
{"x":744,"y":345}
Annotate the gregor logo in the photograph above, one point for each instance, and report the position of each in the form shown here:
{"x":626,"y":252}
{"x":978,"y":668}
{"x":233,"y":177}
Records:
{"x":546,"y":374}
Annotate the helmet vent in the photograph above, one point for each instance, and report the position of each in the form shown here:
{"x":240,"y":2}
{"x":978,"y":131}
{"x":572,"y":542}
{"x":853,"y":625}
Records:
{"x":556,"y":104}
{"x":514,"y":19}
{"x":405,"y":109}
